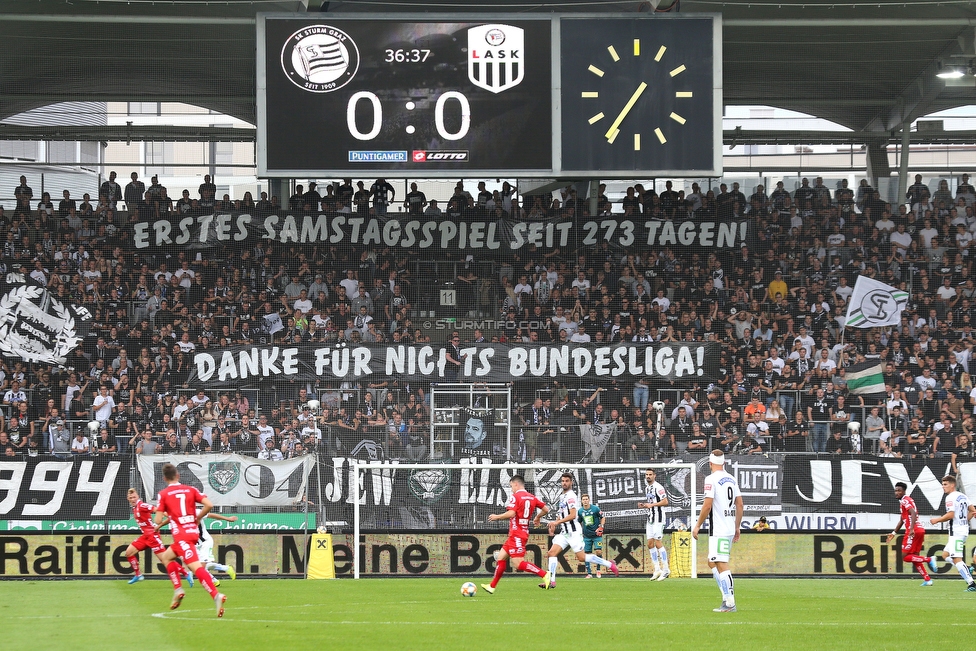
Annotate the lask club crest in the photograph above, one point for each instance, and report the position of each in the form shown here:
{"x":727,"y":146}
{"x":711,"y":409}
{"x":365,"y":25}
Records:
{"x":223,"y":476}
{"x":496,"y":57}
{"x":37,"y":327}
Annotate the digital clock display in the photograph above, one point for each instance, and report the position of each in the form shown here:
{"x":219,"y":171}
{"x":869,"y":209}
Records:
{"x":341,"y":95}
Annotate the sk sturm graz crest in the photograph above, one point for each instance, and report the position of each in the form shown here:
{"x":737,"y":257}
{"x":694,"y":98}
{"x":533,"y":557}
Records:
{"x":428,"y":486}
{"x":320,"y":58}
{"x":36,"y":327}
{"x":496,"y":57}
{"x":224,"y":475}
{"x":878,"y":306}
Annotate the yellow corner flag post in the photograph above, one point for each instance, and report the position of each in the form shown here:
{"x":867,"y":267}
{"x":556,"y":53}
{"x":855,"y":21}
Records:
{"x":321,"y":559}
{"x":680,"y":554}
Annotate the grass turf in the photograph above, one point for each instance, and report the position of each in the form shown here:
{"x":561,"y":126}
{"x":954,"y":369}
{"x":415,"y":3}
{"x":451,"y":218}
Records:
{"x":625,"y":613}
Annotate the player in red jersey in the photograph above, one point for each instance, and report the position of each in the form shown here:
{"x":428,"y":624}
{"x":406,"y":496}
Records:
{"x":914,"y":538}
{"x":520,"y":507}
{"x":179,"y":504}
{"x":149,"y":539}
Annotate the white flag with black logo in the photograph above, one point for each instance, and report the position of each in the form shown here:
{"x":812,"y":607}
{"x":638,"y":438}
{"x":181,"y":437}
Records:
{"x":595,"y":438}
{"x":875,"y":304}
{"x":37,"y":327}
{"x":272,"y":323}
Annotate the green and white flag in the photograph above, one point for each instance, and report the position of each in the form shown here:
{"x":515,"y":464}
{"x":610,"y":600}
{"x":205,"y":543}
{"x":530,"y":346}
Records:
{"x":865,"y":378}
{"x":875,"y":304}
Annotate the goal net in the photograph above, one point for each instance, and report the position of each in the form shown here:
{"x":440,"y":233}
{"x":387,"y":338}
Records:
{"x":432,"y":519}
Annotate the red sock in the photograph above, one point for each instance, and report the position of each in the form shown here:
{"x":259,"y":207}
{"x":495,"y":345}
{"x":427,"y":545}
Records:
{"x":134,"y":562}
{"x":915,"y":558}
{"x":526,"y":566}
{"x":204,"y":576}
{"x":173,"y":569}
{"x":499,"y":570}
{"x":184,"y":571}
{"x":920,"y":567}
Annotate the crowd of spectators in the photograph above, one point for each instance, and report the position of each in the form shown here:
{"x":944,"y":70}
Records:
{"x":777,"y":307}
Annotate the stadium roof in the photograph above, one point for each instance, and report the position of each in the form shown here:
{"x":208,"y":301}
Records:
{"x":867,"y":66}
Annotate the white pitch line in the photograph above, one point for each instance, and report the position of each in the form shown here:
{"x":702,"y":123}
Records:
{"x":643,"y":623}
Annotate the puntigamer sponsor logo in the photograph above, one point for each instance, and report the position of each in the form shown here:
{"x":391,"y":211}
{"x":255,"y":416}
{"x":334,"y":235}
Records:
{"x":360,"y":156}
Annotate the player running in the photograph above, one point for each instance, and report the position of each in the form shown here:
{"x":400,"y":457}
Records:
{"x":570,"y":534}
{"x":914,"y":538}
{"x":723,"y":508}
{"x":593,"y":522}
{"x":958,"y":514}
{"x":178,"y":503}
{"x":205,"y":548}
{"x":657,"y":499}
{"x":520,"y":507}
{"x":143,"y":513}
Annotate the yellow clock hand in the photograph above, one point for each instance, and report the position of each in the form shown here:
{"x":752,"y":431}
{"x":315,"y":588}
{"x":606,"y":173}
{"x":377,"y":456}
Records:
{"x":609,"y":135}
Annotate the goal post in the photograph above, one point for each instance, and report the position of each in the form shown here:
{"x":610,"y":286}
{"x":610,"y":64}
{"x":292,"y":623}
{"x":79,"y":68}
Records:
{"x":435,"y":502}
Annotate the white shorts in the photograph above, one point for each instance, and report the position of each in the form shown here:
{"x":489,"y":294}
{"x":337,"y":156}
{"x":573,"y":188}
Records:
{"x":654,"y":531}
{"x":719,"y":548}
{"x":205,"y":551}
{"x":956,"y":546}
{"x":572,"y":541}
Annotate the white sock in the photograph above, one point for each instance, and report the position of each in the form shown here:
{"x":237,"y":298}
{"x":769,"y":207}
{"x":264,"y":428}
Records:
{"x":216,"y":567}
{"x":964,"y":571}
{"x":718,"y":579}
{"x":654,"y":558}
{"x":593,"y":558}
{"x":553,"y":564}
{"x":663,"y":553}
{"x":728,"y":587}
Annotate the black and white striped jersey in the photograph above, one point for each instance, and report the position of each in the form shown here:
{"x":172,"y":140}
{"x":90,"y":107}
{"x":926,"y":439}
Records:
{"x":567,"y":503}
{"x":655,"y":493}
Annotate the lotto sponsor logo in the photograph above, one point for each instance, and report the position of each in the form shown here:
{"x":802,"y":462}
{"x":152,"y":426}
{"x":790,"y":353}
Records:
{"x":423,"y":156}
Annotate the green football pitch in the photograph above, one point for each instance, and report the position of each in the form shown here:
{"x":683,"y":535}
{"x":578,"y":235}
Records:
{"x":625,"y":613}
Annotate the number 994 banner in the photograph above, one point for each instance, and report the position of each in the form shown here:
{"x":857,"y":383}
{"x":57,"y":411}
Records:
{"x":231,"y":479}
{"x":397,"y":95}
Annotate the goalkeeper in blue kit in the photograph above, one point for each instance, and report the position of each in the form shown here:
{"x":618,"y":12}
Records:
{"x":593,"y":521}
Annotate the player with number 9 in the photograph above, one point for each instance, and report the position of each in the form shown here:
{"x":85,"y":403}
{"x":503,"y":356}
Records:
{"x":722,"y":506}
{"x":958,"y":514}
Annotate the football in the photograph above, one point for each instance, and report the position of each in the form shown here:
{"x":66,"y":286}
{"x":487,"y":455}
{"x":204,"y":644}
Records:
{"x":469,"y":589}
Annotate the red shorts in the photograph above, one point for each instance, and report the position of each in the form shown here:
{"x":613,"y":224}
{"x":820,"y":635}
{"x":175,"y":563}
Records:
{"x":149,"y":541}
{"x":515,"y":547}
{"x":186,"y":548}
{"x":912,"y":544}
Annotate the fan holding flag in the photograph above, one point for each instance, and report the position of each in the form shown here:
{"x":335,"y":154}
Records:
{"x":873,"y":304}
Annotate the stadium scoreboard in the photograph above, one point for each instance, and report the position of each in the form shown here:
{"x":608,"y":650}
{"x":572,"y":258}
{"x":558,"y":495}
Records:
{"x":443,"y":96}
